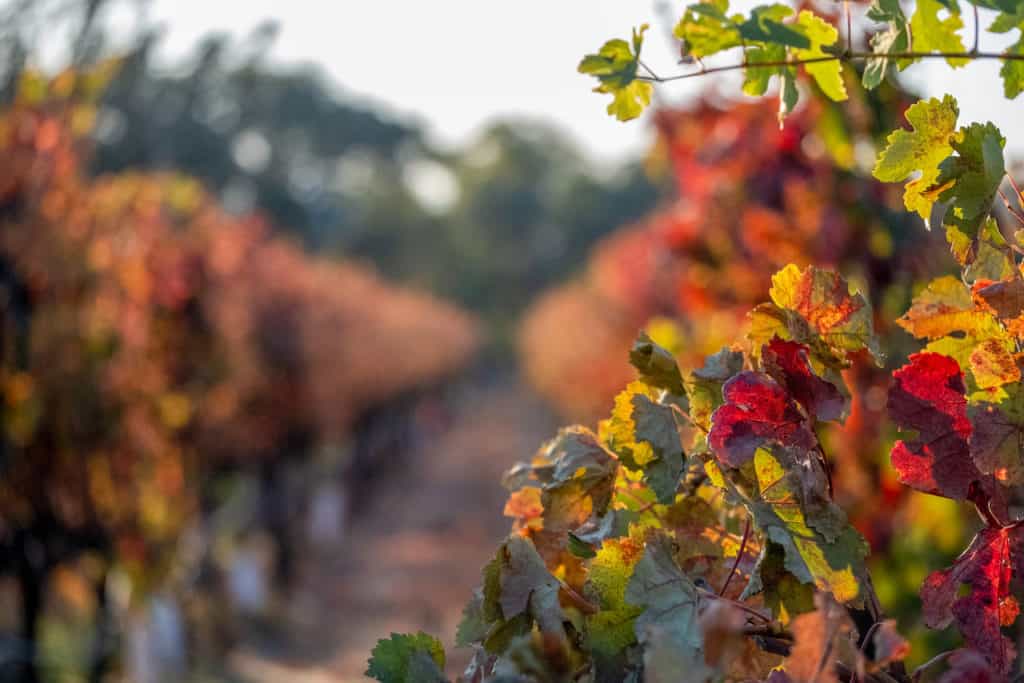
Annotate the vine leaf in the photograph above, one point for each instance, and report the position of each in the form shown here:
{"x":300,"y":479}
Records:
{"x":788,"y":363}
{"x":928,"y":396}
{"x":962,"y":327}
{"x":704,"y":29}
{"x":1013,"y":70}
{"x":815,"y":635}
{"x":704,"y":385}
{"x":827,"y":74}
{"x":920,"y":149}
{"x":986,"y":568}
{"x":993,"y":364}
{"x":1005,"y":299}
{"x":645,"y":436}
{"x":895,"y":38}
{"x":765,"y":26}
{"x":657,"y":367}
{"x":793,"y":509}
{"x":611,"y":630}
{"x":784,"y":594}
{"x":756,"y":78}
{"x":818,"y":309}
{"x":930,"y":33}
{"x":969,"y":181}
{"x":999,"y":435}
{"x":615,"y":66}
{"x":670,"y":602}
{"x":575,"y":474}
{"x":945,"y":307}
{"x":407,"y":657}
{"x":969,"y":666}
{"x":757,"y":410}
{"x":890,"y":645}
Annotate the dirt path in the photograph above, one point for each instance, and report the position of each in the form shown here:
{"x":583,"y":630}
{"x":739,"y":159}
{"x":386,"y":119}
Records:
{"x":415,"y":551}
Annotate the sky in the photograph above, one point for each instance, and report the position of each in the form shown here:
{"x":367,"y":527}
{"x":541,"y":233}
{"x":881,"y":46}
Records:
{"x":455,"y":65}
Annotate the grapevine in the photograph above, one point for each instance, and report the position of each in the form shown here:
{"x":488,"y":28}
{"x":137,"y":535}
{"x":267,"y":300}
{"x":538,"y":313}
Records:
{"x":152,"y":344}
{"x":695,"y":534}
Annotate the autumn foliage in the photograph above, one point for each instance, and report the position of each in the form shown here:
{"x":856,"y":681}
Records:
{"x":709,"y":528}
{"x":750,"y":199}
{"x":151,"y":340}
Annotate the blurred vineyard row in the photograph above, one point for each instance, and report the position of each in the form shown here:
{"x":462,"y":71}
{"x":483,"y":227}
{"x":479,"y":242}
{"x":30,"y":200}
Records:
{"x":158,"y":351}
{"x":751,"y":197}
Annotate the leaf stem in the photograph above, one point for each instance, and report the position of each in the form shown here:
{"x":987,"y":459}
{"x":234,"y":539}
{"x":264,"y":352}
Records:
{"x":749,"y":610}
{"x":919,"y":671}
{"x":649,"y":70}
{"x":1013,"y":183}
{"x":685,"y":415}
{"x":578,"y":600}
{"x":1009,"y":207}
{"x":977,"y":29}
{"x":739,"y":556}
{"x":645,"y":506}
{"x":849,"y":27}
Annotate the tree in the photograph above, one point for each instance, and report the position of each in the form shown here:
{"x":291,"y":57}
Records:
{"x":151,"y":341}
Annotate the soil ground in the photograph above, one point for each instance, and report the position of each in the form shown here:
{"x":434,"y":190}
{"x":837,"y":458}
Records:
{"x":413,"y":553}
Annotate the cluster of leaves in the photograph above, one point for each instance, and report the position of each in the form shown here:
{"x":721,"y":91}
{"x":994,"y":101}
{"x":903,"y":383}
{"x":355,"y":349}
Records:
{"x":962,"y":393}
{"x":694,"y":535}
{"x":151,"y":339}
{"x":750,"y":198}
{"x":775,"y":40}
{"x":627,"y":541}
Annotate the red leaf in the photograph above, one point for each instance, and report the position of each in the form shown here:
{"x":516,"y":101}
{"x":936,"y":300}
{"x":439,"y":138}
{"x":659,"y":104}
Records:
{"x":968,"y":666}
{"x":986,"y":567}
{"x":787,"y":362}
{"x":757,"y":410}
{"x":928,"y":396}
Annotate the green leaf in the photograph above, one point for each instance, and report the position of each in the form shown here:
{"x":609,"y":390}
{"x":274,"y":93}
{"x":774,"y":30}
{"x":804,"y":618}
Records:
{"x":784,"y":594}
{"x":629,"y":101}
{"x":990,"y":259}
{"x":704,"y":386}
{"x":527,"y":587}
{"x":407,"y":658}
{"x":704,"y":29}
{"x":1013,"y":72}
{"x":765,"y":26}
{"x":789,"y":95}
{"x":895,"y":38}
{"x":474,"y":625}
{"x":1013,"y":69}
{"x":970,"y":180}
{"x":580,"y":548}
{"x":615,"y":66}
{"x":921,"y":149}
{"x":611,"y":630}
{"x":998,"y":434}
{"x":756,"y":78}
{"x":657,"y":367}
{"x":793,"y":509}
{"x":931,"y":34}
{"x":827,"y":74}
{"x":645,"y":436}
{"x":670,"y":600}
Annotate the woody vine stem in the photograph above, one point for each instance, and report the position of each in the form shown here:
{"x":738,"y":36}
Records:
{"x":842,"y":57}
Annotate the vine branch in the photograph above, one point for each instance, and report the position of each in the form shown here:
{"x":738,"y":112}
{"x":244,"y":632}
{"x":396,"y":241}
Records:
{"x":845,"y":57}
